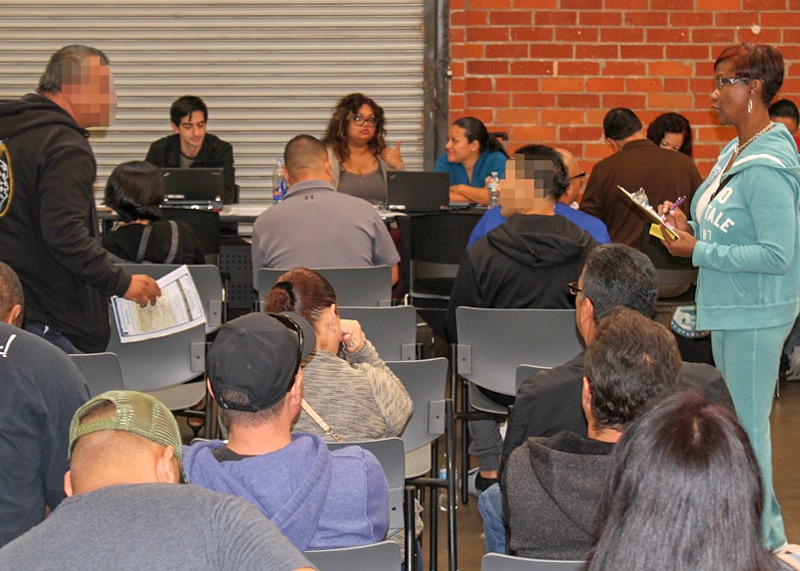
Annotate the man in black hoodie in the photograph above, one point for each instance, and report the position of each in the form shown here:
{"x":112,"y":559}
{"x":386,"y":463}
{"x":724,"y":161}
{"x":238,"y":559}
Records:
{"x":48,"y":222}
{"x":524,"y":263}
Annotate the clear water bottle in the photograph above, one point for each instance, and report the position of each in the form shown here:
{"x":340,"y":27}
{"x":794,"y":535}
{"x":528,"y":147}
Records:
{"x":494,"y":189}
{"x":443,"y":491}
{"x":278,"y":183}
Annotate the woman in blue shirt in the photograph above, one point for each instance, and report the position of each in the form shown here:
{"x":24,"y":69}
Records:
{"x":471,"y":156}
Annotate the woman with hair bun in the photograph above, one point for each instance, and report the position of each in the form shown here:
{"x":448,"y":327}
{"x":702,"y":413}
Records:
{"x":471,"y":156}
{"x":358,"y":396}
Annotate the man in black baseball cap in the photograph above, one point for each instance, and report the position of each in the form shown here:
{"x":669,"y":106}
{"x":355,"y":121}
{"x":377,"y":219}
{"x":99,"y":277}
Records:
{"x":319,"y":499}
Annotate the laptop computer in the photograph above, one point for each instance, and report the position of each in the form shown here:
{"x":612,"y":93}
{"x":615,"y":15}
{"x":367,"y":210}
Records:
{"x":418,"y":191}
{"x":193,"y":187}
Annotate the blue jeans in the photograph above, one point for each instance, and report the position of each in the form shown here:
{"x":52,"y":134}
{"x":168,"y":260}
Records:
{"x":490,"y":506}
{"x":53,"y":337}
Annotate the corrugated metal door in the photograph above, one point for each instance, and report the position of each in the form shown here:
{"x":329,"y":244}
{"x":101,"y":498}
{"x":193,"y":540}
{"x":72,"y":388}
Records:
{"x":267,"y":69}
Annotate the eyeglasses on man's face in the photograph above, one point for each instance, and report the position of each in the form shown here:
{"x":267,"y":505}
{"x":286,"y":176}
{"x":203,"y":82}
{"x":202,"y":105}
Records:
{"x":573,"y":288}
{"x":359,"y":120}
{"x":721,"y":82}
{"x":581,"y":174}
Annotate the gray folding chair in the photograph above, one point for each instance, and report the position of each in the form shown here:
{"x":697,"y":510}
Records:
{"x":426,"y":383}
{"x":162,"y":365}
{"x":498,"y":562}
{"x":366,"y":286}
{"x":492,"y":343}
{"x":383,"y":556}
{"x":390,"y":454}
{"x":392,"y":330}
{"x":525,"y":371}
{"x":101,"y":371}
{"x":207,"y":280}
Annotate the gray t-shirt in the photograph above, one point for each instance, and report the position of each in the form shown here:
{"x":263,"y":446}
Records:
{"x":317,"y":227}
{"x":153,"y":526}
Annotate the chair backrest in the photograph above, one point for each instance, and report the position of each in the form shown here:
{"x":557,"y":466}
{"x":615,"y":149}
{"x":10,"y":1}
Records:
{"x":207,"y":279}
{"x":426,"y":383}
{"x":439,"y":238}
{"x":389,"y":452}
{"x":525,"y":371}
{"x":102,"y":371}
{"x":492,"y":343}
{"x":366,"y":286}
{"x":392,"y":330}
{"x":498,"y":562}
{"x":162,"y":362}
{"x":383,"y":556}
{"x":432,"y":246}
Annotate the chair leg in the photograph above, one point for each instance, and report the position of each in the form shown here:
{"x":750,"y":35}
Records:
{"x":411,"y":536}
{"x":464,"y":444}
{"x":450,"y":436}
{"x":433,"y":521}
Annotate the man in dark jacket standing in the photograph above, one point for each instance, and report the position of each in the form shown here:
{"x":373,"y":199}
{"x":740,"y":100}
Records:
{"x":48,"y":222}
{"x":524,"y":263}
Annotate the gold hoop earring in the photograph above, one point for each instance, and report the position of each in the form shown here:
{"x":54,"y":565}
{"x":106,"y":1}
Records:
{"x":749,"y":105}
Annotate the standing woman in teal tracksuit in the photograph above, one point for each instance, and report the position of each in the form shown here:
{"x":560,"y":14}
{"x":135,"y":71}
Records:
{"x":744,"y":238}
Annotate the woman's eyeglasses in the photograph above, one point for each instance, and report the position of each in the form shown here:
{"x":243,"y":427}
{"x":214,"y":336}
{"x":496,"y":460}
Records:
{"x":359,"y":120}
{"x":720,"y":82}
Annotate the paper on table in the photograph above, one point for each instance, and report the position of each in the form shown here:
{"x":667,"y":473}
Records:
{"x":645,"y":207}
{"x":179,"y":308}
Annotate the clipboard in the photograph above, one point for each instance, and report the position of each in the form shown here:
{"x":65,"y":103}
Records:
{"x":650,"y":212}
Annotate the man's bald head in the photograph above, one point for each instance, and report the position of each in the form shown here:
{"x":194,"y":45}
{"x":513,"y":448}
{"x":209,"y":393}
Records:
{"x":306,"y":158}
{"x":11,"y":298}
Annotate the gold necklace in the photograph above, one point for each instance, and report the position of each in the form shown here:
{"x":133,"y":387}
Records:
{"x":740,"y":148}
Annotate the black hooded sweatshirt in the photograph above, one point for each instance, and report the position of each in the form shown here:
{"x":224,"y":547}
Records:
{"x":526,"y":262}
{"x":48,"y":222}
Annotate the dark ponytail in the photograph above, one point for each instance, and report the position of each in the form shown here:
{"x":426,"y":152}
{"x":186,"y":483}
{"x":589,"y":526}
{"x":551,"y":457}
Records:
{"x":475,"y":130}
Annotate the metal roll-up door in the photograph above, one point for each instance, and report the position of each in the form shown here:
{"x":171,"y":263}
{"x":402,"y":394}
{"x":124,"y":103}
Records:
{"x":267,"y":70}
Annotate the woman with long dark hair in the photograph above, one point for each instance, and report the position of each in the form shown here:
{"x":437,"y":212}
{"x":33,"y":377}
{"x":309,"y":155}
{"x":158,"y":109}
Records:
{"x":471,"y":156}
{"x":682,"y":492}
{"x":743,"y":237}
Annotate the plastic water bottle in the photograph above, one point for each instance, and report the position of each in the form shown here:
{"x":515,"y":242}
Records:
{"x":278,"y":183}
{"x":494,"y":189}
{"x":443,"y":491}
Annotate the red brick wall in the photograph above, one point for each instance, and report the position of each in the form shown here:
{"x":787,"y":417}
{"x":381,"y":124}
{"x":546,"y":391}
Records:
{"x":546,"y":71}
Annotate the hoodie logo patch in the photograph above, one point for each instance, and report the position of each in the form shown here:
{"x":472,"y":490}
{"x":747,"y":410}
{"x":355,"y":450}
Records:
{"x":6,"y":180}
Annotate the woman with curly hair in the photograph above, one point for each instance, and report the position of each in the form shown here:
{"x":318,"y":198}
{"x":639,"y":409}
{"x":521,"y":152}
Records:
{"x":357,"y":149}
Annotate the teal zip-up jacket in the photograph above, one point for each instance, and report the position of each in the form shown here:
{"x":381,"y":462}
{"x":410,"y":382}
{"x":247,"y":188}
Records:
{"x":748,"y":248}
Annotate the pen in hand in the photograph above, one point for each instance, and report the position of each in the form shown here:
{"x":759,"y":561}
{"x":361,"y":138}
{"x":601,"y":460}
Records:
{"x":675,"y":205}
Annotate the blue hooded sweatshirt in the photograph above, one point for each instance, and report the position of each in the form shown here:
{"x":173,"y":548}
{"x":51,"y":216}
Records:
{"x":318,"y":499}
{"x":748,"y":248}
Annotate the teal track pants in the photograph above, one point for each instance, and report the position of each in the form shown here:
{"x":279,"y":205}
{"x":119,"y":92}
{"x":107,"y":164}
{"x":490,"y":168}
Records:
{"x":749,"y":360}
